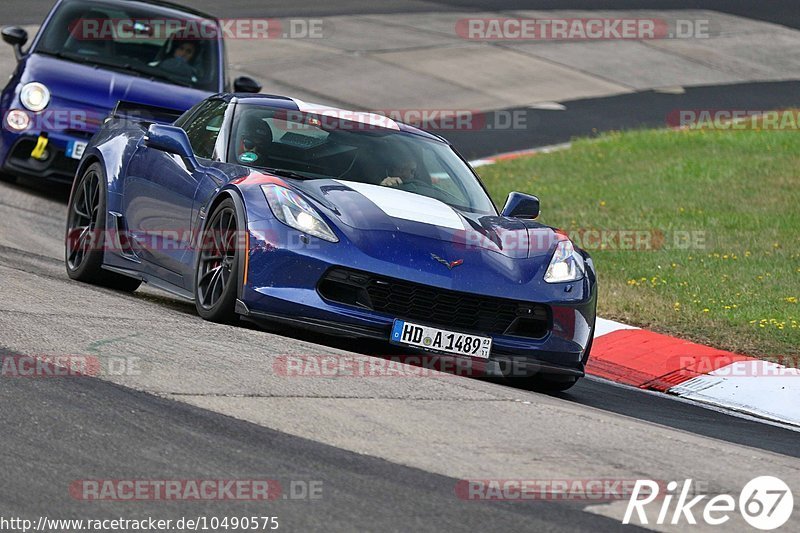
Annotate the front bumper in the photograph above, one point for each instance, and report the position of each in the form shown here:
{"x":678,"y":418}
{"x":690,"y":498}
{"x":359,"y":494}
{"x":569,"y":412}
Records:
{"x":498,"y":364}
{"x":283,"y":285}
{"x":16,"y":157}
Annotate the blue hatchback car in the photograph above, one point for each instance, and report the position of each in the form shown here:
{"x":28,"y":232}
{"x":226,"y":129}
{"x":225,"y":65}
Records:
{"x":90,"y":54}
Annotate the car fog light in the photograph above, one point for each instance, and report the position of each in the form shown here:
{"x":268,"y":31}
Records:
{"x":18,"y":120}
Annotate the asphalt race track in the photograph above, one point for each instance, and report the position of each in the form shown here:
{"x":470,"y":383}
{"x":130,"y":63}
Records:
{"x":586,"y":117}
{"x":779,"y":11}
{"x":204,"y":402}
{"x":175,"y":441}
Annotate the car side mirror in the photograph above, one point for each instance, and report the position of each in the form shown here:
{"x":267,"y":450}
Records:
{"x":172,"y":140}
{"x":246,"y":84}
{"x":520,"y":205}
{"x":16,"y":37}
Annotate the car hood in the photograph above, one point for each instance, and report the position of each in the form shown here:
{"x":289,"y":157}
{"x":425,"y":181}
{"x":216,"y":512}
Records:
{"x":97,"y":87}
{"x":361,"y":209}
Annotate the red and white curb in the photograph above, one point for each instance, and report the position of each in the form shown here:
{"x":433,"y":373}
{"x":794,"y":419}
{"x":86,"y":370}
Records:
{"x":647,"y":360}
{"x":519,"y":153}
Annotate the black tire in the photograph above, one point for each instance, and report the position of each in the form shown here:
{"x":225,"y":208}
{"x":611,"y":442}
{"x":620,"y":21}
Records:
{"x":217,"y":273}
{"x":8,"y":178}
{"x":85,"y":238}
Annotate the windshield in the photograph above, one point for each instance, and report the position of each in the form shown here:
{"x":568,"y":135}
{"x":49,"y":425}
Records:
{"x":138,"y":42}
{"x":311,"y":146}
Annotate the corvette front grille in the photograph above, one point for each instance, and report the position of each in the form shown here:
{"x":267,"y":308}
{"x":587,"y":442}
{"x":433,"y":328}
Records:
{"x":432,"y":305}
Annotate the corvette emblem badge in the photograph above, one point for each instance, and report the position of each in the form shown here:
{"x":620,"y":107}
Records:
{"x":449,"y":264}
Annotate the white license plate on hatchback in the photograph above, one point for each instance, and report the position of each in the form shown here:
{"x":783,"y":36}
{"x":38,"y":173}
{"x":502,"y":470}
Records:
{"x":440,"y":340}
{"x":75,"y":149}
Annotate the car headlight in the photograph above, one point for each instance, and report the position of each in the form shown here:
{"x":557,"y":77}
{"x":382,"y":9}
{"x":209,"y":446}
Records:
{"x":291,"y":209}
{"x":566,"y":265}
{"x":34,"y":96}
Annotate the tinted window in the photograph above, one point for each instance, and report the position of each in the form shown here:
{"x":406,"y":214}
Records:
{"x":205,"y":126}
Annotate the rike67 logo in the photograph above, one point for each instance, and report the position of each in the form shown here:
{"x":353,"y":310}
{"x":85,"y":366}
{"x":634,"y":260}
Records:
{"x":765,"y":503}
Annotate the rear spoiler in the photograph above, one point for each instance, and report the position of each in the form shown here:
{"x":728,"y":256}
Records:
{"x":145,"y":112}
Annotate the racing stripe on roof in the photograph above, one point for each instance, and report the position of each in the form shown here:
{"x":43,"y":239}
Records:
{"x":362,"y":117}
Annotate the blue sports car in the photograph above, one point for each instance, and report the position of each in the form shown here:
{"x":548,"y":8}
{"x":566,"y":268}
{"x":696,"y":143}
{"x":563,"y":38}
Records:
{"x":279,"y":211}
{"x":88,"y":55}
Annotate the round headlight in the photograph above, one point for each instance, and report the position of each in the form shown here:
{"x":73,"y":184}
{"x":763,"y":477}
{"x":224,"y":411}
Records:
{"x":18,"y":120}
{"x":34,"y":96}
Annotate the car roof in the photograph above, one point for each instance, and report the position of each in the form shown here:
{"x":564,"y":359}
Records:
{"x":285,"y":102}
{"x":156,"y":3}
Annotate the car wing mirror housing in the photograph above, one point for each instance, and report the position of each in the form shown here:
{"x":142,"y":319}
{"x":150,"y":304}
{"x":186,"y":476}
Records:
{"x":521,"y":205}
{"x":172,"y":140}
{"x":246,"y":84}
{"x":16,"y":37}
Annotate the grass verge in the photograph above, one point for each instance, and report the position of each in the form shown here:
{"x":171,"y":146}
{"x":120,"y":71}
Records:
{"x":720,"y":211}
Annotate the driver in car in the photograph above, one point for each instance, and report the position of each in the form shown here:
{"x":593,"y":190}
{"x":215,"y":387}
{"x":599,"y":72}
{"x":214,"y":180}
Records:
{"x":179,"y":64}
{"x":400,"y":174}
{"x":402,"y":170}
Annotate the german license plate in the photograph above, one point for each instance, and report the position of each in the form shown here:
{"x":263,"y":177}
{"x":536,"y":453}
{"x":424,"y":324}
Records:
{"x":440,"y":340}
{"x":75,"y":149}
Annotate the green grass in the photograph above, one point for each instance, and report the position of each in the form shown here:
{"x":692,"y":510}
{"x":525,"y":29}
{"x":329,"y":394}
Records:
{"x":738,"y":190}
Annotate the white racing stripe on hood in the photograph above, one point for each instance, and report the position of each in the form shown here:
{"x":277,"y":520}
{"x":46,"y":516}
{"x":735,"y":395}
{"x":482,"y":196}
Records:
{"x":408,"y":206}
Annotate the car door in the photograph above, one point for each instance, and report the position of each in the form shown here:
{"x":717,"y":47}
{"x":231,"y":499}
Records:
{"x":159,"y":195}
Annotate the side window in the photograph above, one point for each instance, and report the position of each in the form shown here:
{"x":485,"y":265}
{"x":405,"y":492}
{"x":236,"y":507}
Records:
{"x":188,"y":114}
{"x":205,"y":126}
